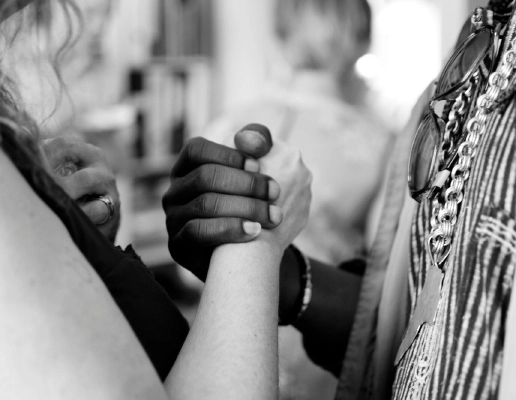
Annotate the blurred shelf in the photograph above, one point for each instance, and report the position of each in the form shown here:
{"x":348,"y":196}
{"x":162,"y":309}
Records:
{"x":152,"y":168}
{"x":180,"y":62}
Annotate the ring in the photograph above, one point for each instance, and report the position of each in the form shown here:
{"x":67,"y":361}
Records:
{"x":110,"y":206}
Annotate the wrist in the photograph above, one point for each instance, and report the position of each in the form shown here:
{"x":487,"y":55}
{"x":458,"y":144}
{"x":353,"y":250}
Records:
{"x":290,"y":284}
{"x":269,"y":242}
{"x":295,"y":286}
{"x":269,"y":253}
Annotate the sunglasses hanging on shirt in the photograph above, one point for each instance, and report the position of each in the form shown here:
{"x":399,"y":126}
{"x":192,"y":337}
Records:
{"x":439,"y":134}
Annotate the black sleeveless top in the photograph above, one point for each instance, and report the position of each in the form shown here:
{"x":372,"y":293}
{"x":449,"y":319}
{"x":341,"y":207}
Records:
{"x":156,"y":321}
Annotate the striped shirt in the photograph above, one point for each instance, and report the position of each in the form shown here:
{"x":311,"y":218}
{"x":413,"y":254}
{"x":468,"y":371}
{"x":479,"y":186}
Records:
{"x":460,"y":357}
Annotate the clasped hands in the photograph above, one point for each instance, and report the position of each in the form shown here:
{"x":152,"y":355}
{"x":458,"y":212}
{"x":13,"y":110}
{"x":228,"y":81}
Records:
{"x":217,"y":194}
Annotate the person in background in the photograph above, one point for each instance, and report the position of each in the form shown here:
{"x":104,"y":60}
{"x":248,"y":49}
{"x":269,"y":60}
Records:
{"x":432,"y":315}
{"x":321,"y":107}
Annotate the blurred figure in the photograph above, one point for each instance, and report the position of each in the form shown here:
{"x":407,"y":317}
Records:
{"x":321,"y":109}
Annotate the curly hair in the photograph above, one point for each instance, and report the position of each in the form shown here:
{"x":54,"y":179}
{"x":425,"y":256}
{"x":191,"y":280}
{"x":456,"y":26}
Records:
{"x":32,"y":18}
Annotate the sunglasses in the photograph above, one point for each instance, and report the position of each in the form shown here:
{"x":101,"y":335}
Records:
{"x":434,"y":150}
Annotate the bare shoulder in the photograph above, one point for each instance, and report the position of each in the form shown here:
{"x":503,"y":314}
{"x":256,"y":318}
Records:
{"x":55,"y":310}
{"x":24,"y":218}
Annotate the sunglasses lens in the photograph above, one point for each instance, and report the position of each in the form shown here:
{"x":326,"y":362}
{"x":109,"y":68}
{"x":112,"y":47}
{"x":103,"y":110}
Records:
{"x":465,"y":61}
{"x":423,"y":154}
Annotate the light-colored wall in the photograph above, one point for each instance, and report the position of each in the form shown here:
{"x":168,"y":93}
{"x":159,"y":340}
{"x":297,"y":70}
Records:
{"x":242,"y":29}
{"x":453,"y":15}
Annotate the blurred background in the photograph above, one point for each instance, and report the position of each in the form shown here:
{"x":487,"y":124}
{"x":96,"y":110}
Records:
{"x":145,"y":76}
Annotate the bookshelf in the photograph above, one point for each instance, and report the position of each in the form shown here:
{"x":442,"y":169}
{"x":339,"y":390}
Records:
{"x":171,"y":95}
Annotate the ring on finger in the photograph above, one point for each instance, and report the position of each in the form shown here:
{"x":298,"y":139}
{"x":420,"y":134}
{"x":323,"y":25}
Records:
{"x":110,"y":206}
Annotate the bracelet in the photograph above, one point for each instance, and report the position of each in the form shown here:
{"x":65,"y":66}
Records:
{"x":306,"y":281}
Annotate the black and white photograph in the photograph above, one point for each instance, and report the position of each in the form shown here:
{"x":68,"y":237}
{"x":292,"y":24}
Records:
{"x":257,"y":199}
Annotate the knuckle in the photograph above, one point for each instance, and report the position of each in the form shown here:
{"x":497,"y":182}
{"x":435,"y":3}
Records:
{"x":252,"y":183}
{"x":193,"y":147}
{"x":191,"y":229}
{"x":232,"y":157}
{"x":224,"y":155}
{"x":193,"y":143}
{"x":218,"y":228}
{"x":203,"y":204}
{"x":251,"y":207}
{"x":205,"y":178}
{"x":200,"y":231}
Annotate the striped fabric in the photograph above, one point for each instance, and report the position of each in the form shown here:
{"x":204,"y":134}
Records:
{"x":460,"y":357}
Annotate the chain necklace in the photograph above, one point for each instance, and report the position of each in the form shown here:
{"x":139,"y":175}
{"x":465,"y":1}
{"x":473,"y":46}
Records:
{"x":454,"y":121}
{"x":446,"y":206}
{"x":444,"y":215}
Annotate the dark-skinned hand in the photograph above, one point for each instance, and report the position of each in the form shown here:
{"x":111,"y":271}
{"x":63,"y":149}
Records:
{"x":217,"y":195}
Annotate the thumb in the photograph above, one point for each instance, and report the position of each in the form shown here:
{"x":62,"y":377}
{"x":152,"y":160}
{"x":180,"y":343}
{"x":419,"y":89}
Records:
{"x":254,"y":139}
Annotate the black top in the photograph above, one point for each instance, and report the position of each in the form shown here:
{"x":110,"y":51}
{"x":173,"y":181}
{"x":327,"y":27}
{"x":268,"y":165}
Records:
{"x":156,"y":321}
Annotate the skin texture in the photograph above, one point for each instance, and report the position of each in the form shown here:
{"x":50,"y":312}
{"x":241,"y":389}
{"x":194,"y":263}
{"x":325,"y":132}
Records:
{"x":244,"y":278}
{"x":78,"y":345}
{"x":214,"y":191}
{"x":83,"y":171}
{"x":327,"y":322}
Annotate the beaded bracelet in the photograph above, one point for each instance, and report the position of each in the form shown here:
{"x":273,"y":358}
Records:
{"x":306,"y":281}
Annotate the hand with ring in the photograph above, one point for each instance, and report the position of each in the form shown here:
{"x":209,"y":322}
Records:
{"x":82,"y":170}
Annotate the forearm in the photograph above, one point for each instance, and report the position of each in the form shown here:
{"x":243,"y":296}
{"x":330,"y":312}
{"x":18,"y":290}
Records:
{"x":231,"y":351}
{"x":326,"y":324}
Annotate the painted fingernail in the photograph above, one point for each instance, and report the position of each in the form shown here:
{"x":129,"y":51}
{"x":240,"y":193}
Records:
{"x":252,"y":228}
{"x":274,"y":190}
{"x":275,"y":214}
{"x":251,"y":165}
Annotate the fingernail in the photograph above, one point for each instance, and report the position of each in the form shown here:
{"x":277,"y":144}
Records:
{"x":274,"y":190}
{"x":252,"y":228}
{"x":252,"y":141}
{"x":275,"y":214}
{"x":251,"y":165}
{"x":254,"y":137}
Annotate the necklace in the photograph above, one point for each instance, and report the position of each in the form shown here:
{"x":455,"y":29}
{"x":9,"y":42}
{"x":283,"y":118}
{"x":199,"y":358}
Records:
{"x":446,"y":207}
